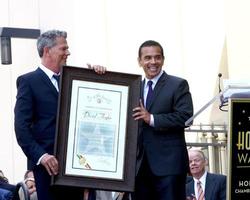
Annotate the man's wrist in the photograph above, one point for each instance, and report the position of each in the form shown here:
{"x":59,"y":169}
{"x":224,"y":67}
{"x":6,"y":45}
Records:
{"x":40,"y":159}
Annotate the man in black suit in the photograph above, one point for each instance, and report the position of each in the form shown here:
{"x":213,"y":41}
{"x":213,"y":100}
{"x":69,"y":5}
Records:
{"x":213,"y":185}
{"x":36,"y":110}
{"x":162,"y":162}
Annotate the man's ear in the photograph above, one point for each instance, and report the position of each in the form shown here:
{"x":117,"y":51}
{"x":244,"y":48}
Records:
{"x":206,"y":162}
{"x":46,"y":50}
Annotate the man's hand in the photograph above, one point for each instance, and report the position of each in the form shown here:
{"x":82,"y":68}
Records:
{"x":140,"y":112}
{"x":192,"y":197}
{"x":50,"y":163}
{"x":97,"y":68}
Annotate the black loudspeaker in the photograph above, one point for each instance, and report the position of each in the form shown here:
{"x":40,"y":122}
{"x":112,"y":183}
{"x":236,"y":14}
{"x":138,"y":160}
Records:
{"x":6,"y":58}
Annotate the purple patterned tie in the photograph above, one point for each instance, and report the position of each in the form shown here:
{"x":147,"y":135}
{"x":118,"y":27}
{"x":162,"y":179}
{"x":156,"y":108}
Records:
{"x":150,"y":93}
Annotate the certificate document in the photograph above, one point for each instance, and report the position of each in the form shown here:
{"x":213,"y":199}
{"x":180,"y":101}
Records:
{"x":97,"y":130}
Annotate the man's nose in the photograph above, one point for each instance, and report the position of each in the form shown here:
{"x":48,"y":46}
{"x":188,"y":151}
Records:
{"x":191,"y":162}
{"x":153,"y":60}
{"x":68,"y":52}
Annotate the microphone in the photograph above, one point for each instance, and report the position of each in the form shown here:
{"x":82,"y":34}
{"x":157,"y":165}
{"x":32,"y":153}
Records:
{"x":219,"y":75}
{"x":223,"y":101}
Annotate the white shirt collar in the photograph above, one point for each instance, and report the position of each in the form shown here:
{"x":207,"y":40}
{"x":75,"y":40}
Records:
{"x":202,"y":179}
{"x":154,"y":80}
{"x":47,"y":71}
{"x":50,"y":74}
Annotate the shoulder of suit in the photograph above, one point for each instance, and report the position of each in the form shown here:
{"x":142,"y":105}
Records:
{"x":32,"y":73}
{"x":171,"y":79}
{"x":218,"y":176}
{"x":169,"y":76}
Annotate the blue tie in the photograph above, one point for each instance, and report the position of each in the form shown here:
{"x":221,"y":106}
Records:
{"x":57,"y":77}
{"x":150,"y":93}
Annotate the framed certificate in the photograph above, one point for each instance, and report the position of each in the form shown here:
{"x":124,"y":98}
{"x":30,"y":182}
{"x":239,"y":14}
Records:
{"x":96,"y":136}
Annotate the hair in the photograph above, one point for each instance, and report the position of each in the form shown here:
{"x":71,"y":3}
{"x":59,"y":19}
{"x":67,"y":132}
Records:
{"x":150,"y":43}
{"x":27,"y":173}
{"x":200,"y":152}
{"x":3,"y":178}
{"x":48,"y":39}
{"x":27,"y":178}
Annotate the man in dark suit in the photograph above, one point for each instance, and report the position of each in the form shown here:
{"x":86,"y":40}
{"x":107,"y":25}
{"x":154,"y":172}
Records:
{"x":213,"y":185}
{"x":36,"y":110}
{"x":162,"y":162}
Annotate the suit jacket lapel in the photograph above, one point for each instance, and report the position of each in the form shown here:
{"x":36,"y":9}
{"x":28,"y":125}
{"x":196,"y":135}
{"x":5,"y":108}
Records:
{"x":190,"y":188}
{"x":157,"y":88}
{"x":46,"y":80}
{"x":142,"y":91}
{"x":210,"y":184}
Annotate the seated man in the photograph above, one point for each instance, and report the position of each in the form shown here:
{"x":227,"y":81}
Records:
{"x":204,"y":185}
{"x":29,"y":185}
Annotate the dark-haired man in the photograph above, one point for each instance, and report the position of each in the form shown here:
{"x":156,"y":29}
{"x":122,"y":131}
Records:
{"x":165,"y":105}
